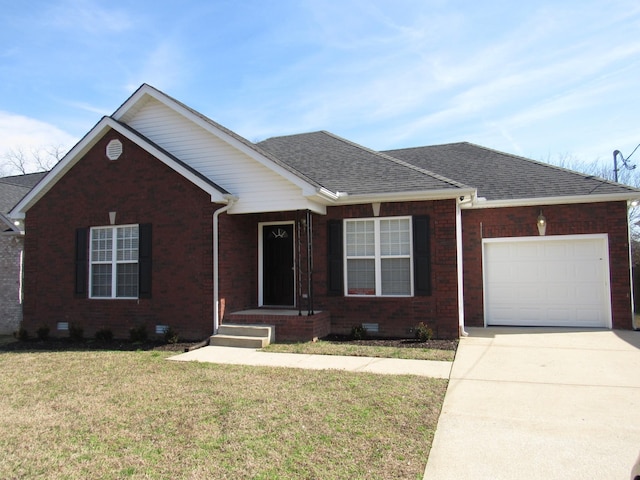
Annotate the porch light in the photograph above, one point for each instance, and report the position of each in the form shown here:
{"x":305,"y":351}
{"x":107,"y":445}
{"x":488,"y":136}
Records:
{"x":542,"y":224}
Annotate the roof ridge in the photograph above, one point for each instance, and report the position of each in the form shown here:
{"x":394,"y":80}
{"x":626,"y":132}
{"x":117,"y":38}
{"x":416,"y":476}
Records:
{"x":402,"y":163}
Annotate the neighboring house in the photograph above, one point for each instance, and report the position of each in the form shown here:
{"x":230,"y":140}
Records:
{"x":161,"y":217}
{"x":12,"y":189}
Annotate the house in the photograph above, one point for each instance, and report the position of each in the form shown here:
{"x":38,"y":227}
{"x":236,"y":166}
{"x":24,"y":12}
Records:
{"x":160,"y":217}
{"x":12,"y":189}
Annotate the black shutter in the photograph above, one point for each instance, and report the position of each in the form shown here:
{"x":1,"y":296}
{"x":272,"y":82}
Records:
{"x":421,"y":256}
{"x":144,"y":261}
{"x":334,"y":258}
{"x":81,"y":262}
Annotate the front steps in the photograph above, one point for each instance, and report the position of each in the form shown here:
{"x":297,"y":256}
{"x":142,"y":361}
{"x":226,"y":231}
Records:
{"x":246,"y":336}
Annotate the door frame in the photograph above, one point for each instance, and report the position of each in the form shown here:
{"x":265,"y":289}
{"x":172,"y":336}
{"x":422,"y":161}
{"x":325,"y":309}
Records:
{"x":602,"y":237}
{"x":261,"y":226}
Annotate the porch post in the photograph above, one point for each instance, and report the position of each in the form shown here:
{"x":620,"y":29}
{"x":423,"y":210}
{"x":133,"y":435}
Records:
{"x":310,"y":262}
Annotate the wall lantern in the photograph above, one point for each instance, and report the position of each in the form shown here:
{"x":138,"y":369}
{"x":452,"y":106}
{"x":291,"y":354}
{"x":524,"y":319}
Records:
{"x":542,"y":224}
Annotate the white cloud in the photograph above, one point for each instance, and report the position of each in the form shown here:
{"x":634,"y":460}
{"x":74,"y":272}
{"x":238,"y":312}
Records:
{"x":18,"y":132}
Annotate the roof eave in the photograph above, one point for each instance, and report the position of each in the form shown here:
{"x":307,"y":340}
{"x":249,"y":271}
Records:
{"x":340,"y":198}
{"x":573,"y":199}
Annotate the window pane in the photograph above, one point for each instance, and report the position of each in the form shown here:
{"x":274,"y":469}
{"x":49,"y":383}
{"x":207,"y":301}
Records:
{"x":396,"y":276}
{"x":127,"y":280}
{"x":127,"y":244}
{"x":101,"y":244}
{"x":101,"y":280}
{"x":361,"y":277}
{"x":395,"y":237}
{"x":360,"y":238}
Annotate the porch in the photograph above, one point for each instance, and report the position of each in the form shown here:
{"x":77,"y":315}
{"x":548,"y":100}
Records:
{"x":290,"y":324}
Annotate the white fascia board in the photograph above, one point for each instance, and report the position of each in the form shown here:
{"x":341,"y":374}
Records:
{"x":422,"y":195}
{"x":305,"y":204}
{"x":84,"y":145}
{"x":138,"y":98}
{"x":528,"y":202}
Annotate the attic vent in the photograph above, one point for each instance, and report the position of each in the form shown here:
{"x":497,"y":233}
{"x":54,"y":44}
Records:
{"x":114,"y":149}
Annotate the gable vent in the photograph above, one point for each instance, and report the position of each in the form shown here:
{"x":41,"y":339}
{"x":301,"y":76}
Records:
{"x":114,"y":149}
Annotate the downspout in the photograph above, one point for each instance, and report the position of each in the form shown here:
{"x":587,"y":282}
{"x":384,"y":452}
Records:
{"x":216,"y":258}
{"x":634,"y":322}
{"x":461,"y":330}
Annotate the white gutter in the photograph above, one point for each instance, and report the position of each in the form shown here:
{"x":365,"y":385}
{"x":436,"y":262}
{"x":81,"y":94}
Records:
{"x":526,"y":202}
{"x":216,"y":258}
{"x":445,"y":194}
{"x":461,"y":330}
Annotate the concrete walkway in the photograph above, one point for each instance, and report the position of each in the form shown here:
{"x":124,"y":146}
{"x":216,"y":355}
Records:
{"x":249,"y":356}
{"x":540,"y":404}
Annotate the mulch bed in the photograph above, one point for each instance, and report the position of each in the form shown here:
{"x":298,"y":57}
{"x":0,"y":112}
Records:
{"x":396,"y":342}
{"x":62,"y":344}
{"x":65,"y":344}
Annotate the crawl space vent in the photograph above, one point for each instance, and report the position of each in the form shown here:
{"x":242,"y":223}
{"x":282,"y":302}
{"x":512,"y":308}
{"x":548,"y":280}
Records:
{"x":114,"y":149}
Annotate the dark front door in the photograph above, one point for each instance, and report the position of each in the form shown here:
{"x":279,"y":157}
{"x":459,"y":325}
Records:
{"x":278,"y":272}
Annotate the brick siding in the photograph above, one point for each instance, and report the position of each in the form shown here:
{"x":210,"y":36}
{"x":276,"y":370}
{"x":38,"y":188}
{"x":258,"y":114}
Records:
{"x":140,"y":189}
{"x":10,"y":306}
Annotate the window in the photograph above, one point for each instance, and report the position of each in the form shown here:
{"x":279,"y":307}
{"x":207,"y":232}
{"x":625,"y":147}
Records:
{"x":378,"y":258}
{"x":114,"y":262}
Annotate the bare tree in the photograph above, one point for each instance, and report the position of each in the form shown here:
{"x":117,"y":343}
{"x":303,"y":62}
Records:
{"x":19,"y":161}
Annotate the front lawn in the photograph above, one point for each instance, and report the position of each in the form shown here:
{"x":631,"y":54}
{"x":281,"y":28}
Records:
{"x":124,"y":414}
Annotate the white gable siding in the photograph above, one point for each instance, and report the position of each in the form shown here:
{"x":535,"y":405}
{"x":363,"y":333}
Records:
{"x":259,"y":189}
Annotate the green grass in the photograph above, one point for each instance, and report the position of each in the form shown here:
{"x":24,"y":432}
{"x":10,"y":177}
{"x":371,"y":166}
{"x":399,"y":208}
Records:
{"x":135,"y":415}
{"x":322,"y":347}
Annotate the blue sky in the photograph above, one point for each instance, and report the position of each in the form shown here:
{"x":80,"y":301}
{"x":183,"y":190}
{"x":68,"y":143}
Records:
{"x":544,"y":79}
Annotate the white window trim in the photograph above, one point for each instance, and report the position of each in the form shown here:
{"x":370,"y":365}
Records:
{"x":377,"y":257}
{"x":114,"y":262}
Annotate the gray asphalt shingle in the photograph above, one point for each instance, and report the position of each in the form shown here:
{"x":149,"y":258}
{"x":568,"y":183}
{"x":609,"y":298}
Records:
{"x":502,"y":176}
{"x":342,"y":166}
{"x":13,"y":188}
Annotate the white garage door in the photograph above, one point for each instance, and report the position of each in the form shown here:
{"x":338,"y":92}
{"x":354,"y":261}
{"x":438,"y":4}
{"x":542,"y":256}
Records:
{"x":547,"y":281}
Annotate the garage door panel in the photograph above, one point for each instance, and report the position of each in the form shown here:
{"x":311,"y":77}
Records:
{"x":547,"y":281}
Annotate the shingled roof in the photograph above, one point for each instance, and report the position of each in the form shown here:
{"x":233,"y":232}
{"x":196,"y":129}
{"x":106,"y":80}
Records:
{"x":343,"y":166}
{"x":13,"y":188}
{"x":502,"y":176}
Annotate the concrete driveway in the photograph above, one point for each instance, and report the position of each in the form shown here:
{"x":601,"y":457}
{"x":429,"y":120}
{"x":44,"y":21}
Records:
{"x":540,"y":404}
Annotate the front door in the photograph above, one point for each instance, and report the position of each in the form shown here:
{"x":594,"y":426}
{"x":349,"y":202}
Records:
{"x":278,"y":275}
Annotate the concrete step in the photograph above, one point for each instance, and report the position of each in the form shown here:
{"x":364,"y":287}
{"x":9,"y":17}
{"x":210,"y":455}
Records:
{"x":241,"y":335}
{"x":222,"y":340}
{"x":245,"y":330}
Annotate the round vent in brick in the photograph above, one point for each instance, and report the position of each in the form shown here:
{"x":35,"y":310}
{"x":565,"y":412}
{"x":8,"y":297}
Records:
{"x":114,"y":149}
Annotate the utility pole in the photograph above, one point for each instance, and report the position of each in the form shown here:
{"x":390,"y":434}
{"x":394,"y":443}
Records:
{"x":625,"y":162}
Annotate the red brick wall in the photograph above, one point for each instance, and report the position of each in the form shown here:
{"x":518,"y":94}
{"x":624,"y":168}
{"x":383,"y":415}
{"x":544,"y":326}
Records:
{"x":395,"y":316}
{"x":610,"y":218}
{"x":141,"y":189}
